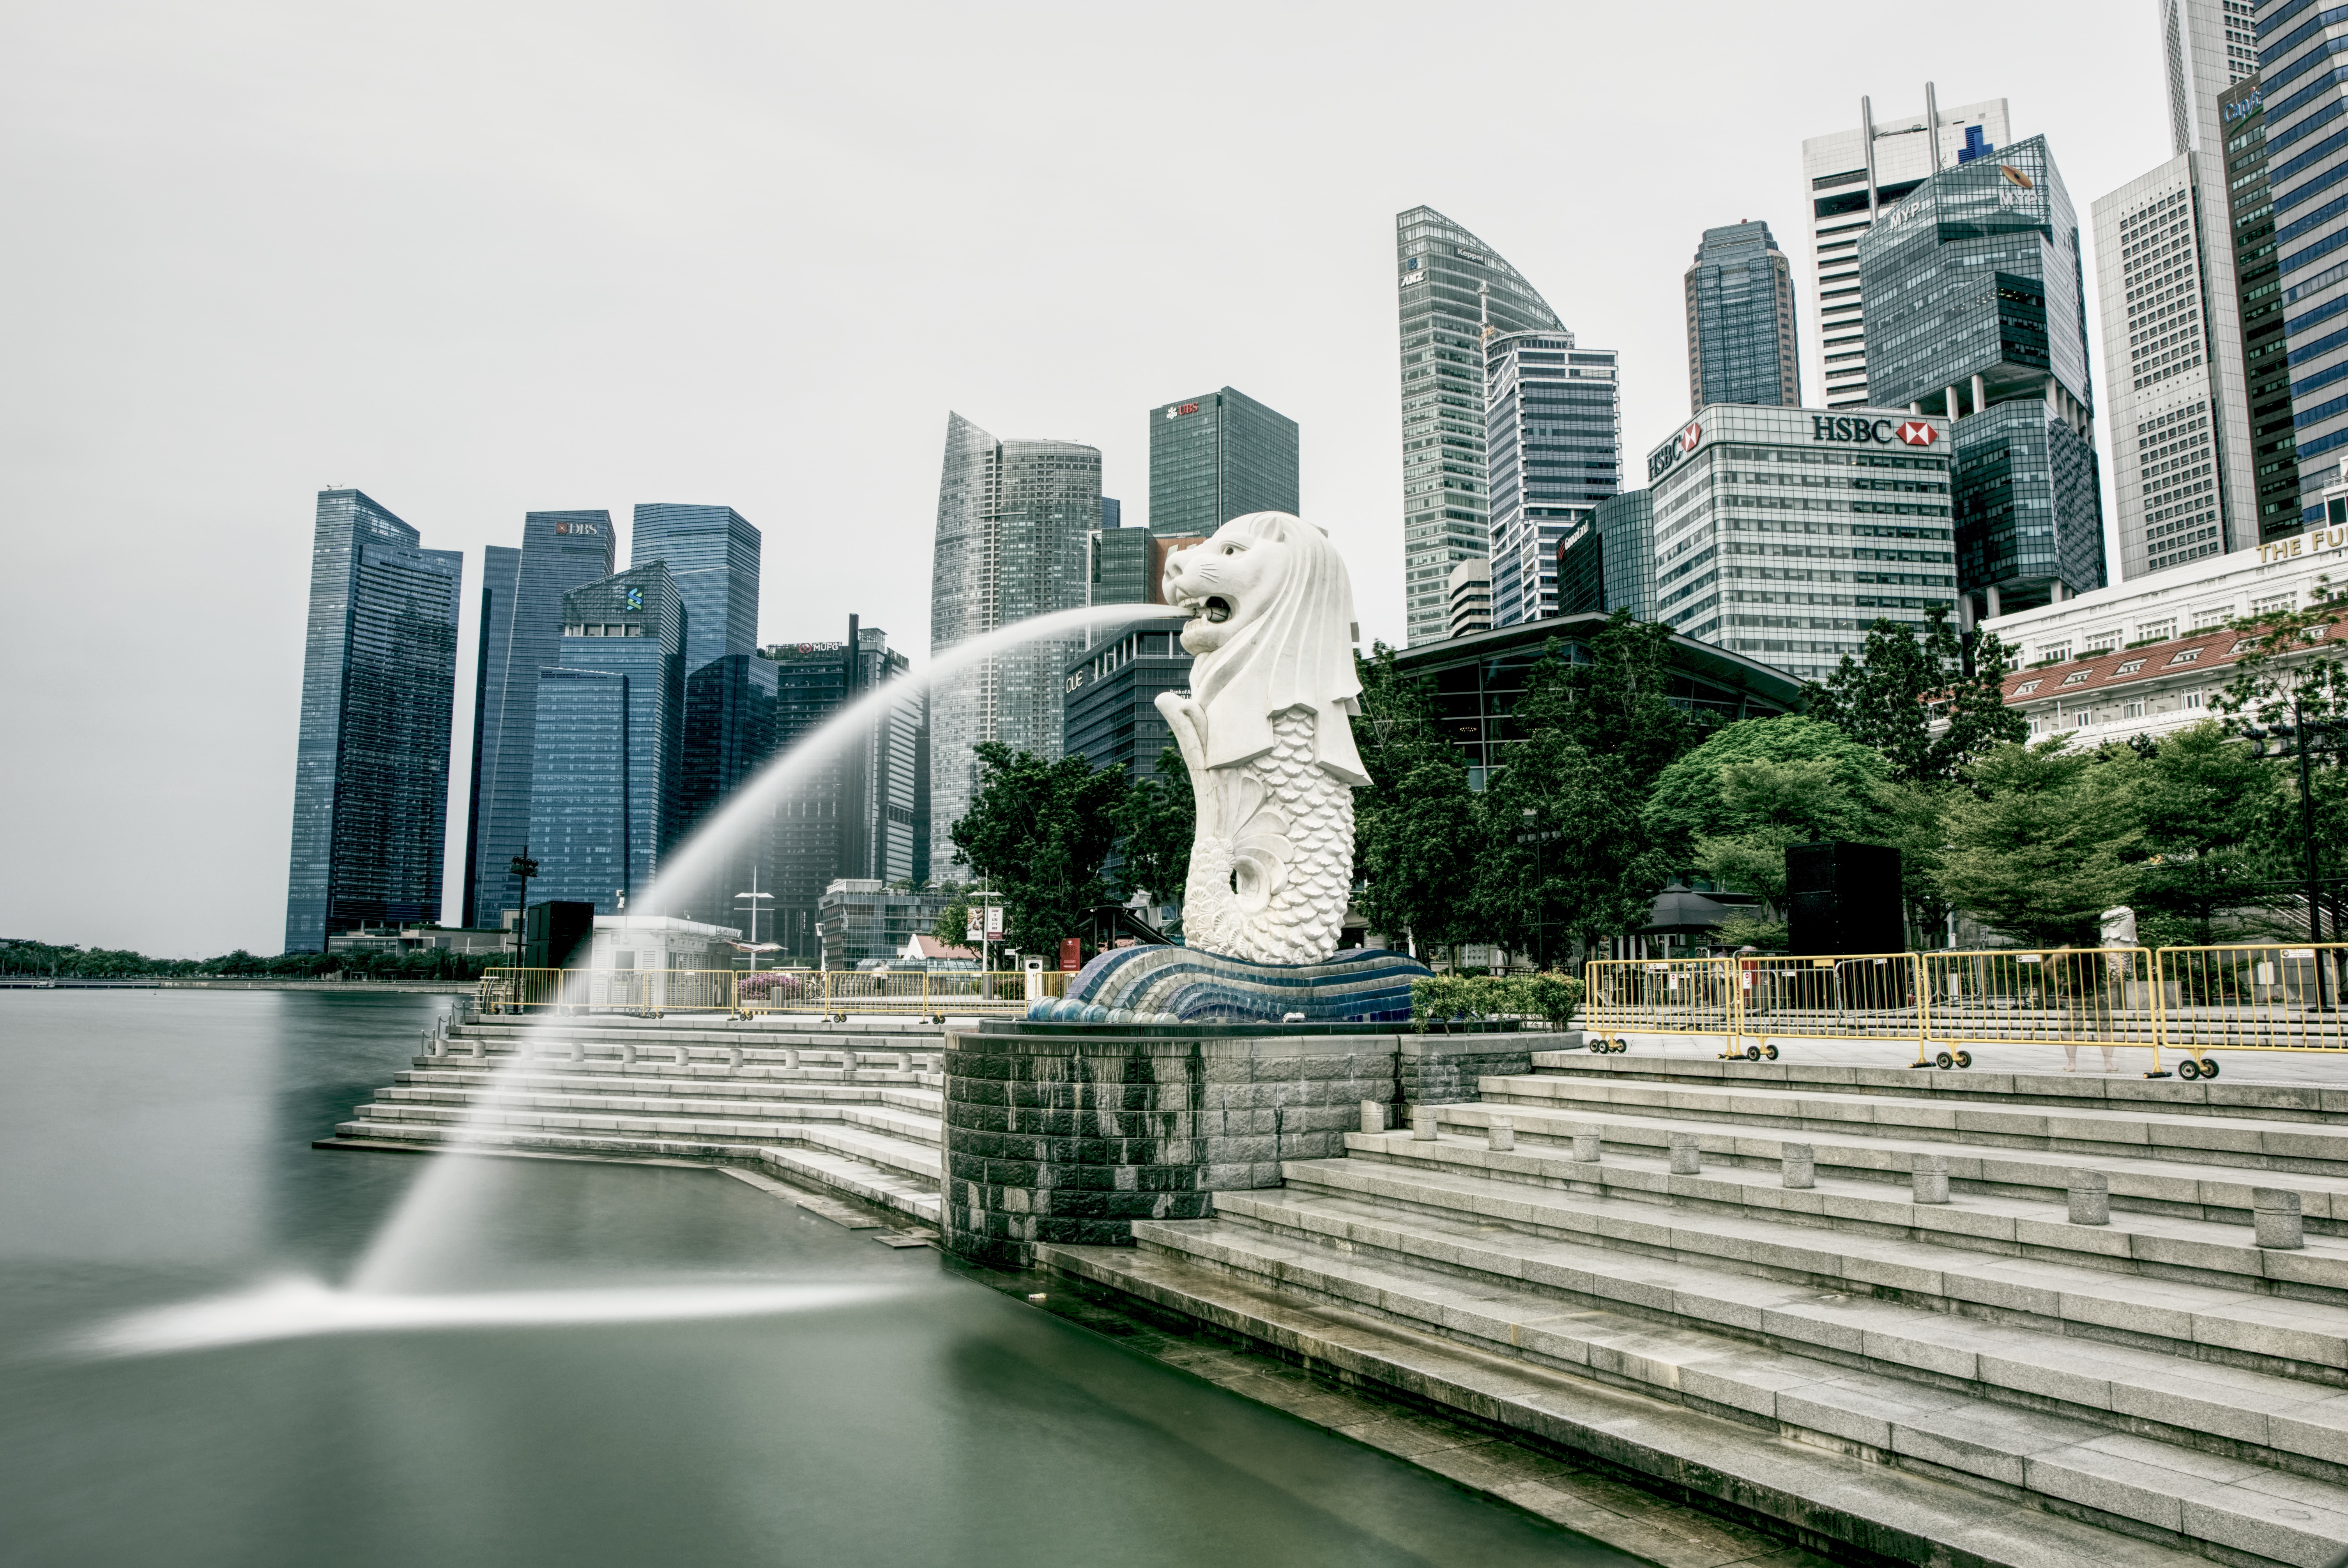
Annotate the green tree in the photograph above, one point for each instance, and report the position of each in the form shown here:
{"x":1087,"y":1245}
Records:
{"x":2207,"y":815}
{"x":1617,"y":703}
{"x":1598,"y":877}
{"x":1414,"y":830}
{"x":1156,"y":823}
{"x":1765,"y":782}
{"x":1903,"y":683}
{"x":1040,"y":831}
{"x":2038,"y":846}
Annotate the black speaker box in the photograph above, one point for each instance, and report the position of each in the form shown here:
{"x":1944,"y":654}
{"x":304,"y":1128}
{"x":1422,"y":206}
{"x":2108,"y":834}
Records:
{"x":555,"y":933}
{"x":1843,"y":898}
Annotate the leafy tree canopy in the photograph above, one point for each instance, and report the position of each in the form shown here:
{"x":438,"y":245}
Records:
{"x":1039,"y":831}
{"x":2037,"y":847}
{"x":1889,"y":697}
{"x":1156,"y":823}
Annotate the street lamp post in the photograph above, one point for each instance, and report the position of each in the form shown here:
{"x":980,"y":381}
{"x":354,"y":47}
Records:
{"x":524,"y":867}
{"x":753,"y":895}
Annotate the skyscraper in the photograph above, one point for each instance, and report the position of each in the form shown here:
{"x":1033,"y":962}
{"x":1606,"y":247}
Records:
{"x":2182,"y":471}
{"x":1854,"y":177}
{"x":1553,"y":440}
{"x":2305,"y":96}
{"x":1611,"y":565}
{"x":1014,"y":517}
{"x":1977,"y":305}
{"x":522,"y":633}
{"x":2173,"y":367}
{"x":378,"y":689}
{"x":2266,"y":365}
{"x":728,"y":735}
{"x":712,"y":555}
{"x":1784,"y":533}
{"x":1740,"y":320}
{"x":858,"y":809}
{"x":608,"y":735}
{"x":1216,"y":457}
{"x":1452,"y":286}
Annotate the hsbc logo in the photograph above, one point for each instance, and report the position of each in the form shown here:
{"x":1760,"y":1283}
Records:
{"x":1874,"y":432}
{"x":1672,"y":451}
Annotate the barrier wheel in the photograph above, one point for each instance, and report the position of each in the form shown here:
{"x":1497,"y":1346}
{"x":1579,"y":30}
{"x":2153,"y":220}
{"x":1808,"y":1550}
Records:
{"x":2189,"y":1070}
{"x":1770,"y":1052}
{"x":1944,"y":1061}
{"x":1752,"y":1053}
{"x":2208,"y":1067}
{"x":1965,"y":1059}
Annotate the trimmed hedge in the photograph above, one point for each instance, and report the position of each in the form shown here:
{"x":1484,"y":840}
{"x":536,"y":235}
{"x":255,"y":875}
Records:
{"x":1449,"y":999}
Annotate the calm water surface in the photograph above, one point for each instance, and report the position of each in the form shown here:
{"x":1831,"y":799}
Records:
{"x":154,"y":1150}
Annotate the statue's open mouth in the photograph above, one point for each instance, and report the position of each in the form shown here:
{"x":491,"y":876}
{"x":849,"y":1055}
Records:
{"x":1217,"y":608}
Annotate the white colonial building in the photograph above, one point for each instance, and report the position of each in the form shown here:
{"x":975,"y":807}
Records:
{"x":2152,"y":655}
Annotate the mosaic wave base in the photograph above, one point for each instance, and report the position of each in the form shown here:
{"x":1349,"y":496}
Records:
{"x":1186,"y":985}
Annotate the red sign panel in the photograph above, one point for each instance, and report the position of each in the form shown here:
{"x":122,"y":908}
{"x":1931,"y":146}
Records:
{"x":1072,"y":954}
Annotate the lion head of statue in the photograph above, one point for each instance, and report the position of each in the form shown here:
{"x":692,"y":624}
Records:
{"x":1272,"y":623}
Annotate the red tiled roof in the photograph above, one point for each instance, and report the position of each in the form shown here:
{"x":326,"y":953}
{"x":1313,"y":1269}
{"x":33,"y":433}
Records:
{"x":2126,"y":666}
{"x":929,"y":947}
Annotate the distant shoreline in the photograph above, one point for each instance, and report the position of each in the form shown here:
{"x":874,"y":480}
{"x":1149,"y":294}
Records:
{"x":198,"y":983}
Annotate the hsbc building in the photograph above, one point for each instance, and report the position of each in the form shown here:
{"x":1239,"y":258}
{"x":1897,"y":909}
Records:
{"x":1784,"y":534}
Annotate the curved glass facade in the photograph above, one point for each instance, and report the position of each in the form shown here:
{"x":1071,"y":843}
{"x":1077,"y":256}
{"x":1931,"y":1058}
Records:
{"x":1440,"y":269}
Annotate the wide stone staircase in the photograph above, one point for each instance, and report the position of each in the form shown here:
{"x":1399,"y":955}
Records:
{"x":1946,"y":1318}
{"x":853,"y":1107}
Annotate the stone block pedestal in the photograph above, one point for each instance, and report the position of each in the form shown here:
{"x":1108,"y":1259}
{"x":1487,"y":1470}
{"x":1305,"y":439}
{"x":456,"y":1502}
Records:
{"x":1069,"y":1132}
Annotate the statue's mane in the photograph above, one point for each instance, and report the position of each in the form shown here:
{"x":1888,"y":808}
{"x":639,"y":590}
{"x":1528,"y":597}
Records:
{"x":1300,"y":653}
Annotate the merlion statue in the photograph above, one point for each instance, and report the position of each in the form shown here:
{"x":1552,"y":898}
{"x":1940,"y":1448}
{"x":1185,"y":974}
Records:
{"x":1267,"y":735}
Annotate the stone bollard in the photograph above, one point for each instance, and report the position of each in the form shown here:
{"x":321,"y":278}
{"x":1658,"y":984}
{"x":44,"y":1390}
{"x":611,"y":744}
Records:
{"x":791,"y":1058}
{"x":1585,"y":1145}
{"x":904,"y":1062}
{"x":627,"y":1054}
{"x":1686,"y":1158}
{"x":481,"y":1048}
{"x":2091,"y":1198}
{"x":1930,"y":1179}
{"x":1499,"y":1134}
{"x":684,"y":1058}
{"x":1374,"y":1117}
{"x":733,"y":1059}
{"x":1799,"y":1162}
{"x":1422,"y":1125}
{"x":577,"y":1050}
{"x":2275,"y":1214}
{"x":848,"y":1067}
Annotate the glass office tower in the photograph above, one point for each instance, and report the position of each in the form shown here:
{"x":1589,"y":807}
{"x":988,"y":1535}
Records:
{"x":2304,"y":97}
{"x":1740,"y":320}
{"x":712,"y":555}
{"x":1784,"y":533}
{"x":522,"y":633}
{"x":1611,"y":565}
{"x":1853,"y":178}
{"x":1216,"y":457}
{"x":857,"y":810}
{"x":2266,"y":363}
{"x":1451,"y":287}
{"x":1553,"y":443}
{"x":1976,"y":317}
{"x":378,"y":689}
{"x":608,"y":735}
{"x":728,"y":735}
{"x":1014,"y":519}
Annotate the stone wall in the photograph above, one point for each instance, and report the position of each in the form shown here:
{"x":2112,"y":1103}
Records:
{"x":1067,"y":1132}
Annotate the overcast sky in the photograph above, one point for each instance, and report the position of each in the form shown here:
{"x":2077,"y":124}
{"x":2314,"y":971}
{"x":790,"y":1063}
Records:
{"x":480,"y":259}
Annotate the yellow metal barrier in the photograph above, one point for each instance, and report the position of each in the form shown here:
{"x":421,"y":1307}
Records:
{"x":1661,"y":995}
{"x":1850,"y":996}
{"x":647,"y":992}
{"x":2069,"y":996}
{"x":2268,"y":996}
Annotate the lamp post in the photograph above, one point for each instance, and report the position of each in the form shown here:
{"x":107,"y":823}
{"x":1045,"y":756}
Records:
{"x":524,"y":867}
{"x":2327,"y":736}
{"x":753,"y":895}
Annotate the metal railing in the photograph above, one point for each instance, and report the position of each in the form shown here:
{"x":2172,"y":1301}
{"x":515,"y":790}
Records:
{"x":2187,"y":1000}
{"x":2253,"y":996}
{"x":749,"y":993}
{"x":1660,"y":995}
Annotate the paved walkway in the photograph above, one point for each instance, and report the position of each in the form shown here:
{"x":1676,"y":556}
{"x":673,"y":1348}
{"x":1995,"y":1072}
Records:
{"x":2328,"y":1068}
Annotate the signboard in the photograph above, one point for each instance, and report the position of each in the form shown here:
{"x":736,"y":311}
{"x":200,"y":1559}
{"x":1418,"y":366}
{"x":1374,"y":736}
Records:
{"x":1176,"y":410}
{"x":1672,"y":451}
{"x":578,"y":527}
{"x":1873,"y":432}
{"x":973,"y":924}
{"x":994,"y":922}
{"x":1072,"y":955}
